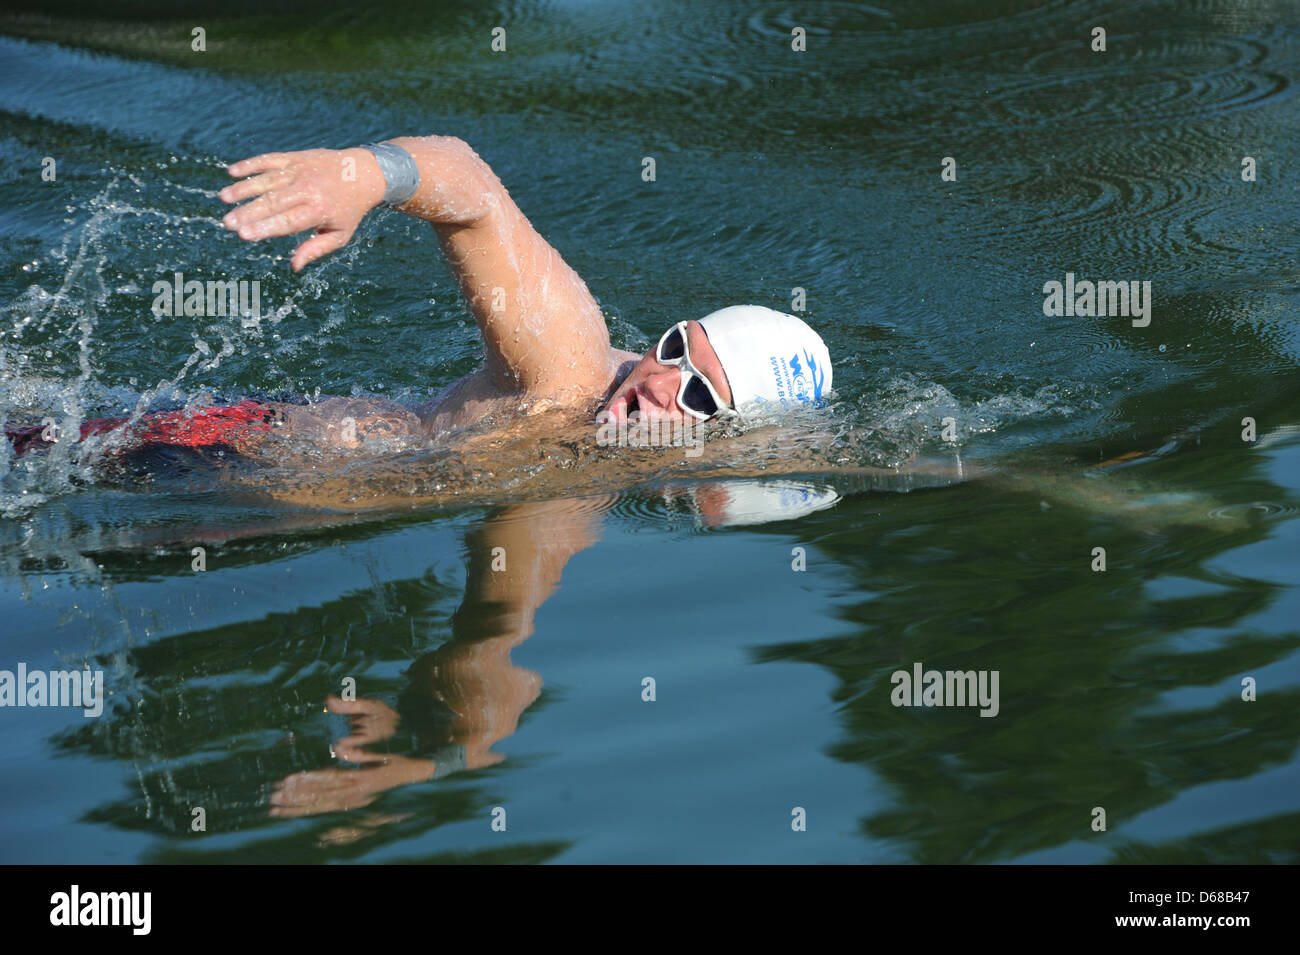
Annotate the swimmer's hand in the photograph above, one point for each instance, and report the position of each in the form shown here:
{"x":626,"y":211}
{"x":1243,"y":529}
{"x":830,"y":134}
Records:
{"x":336,"y":790}
{"x":328,"y":190}
{"x":371,"y":722}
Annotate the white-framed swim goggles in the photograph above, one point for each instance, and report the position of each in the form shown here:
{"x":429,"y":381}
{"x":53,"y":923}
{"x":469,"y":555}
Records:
{"x":696,"y":394}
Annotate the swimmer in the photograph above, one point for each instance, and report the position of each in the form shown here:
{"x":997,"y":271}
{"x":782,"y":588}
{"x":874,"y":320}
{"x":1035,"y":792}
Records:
{"x":546,"y":348}
{"x":547,"y":345}
{"x":545,"y":337}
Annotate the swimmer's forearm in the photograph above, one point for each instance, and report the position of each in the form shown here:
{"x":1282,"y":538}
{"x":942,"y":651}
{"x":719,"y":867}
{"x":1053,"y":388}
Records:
{"x":456,"y":186}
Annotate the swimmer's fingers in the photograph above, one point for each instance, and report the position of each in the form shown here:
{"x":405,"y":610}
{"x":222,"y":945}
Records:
{"x":257,"y":186}
{"x":262,"y":163}
{"x":322,"y":790}
{"x":299,"y":218}
{"x":364,"y":706}
{"x":349,"y":751}
{"x":322,"y":243}
{"x":271,"y":203}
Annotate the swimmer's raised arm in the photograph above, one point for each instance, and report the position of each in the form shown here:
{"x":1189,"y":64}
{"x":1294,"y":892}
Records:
{"x":543,"y":329}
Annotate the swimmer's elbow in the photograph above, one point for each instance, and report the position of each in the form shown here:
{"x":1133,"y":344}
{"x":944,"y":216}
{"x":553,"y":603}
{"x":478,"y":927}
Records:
{"x":445,"y":149}
{"x":436,"y":141}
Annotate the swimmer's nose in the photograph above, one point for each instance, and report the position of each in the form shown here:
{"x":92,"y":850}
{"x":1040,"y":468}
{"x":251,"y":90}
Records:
{"x":660,"y":390}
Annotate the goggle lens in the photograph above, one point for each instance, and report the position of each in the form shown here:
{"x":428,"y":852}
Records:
{"x":673,"y":346}
{"x":698,"y":398}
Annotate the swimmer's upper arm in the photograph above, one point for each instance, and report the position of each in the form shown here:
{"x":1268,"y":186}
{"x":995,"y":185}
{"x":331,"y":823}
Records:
{"x":543,"y":331}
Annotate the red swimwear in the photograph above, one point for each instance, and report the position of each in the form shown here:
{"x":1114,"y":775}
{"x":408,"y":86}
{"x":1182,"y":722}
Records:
{"x":233,"y":425}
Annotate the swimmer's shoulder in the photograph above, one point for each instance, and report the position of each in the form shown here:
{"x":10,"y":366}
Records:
{"x":623,"y":362}
{"x":469,"y":400}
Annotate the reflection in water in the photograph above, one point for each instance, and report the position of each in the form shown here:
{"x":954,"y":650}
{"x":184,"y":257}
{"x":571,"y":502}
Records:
{"x":1092,"y":668}
{"x":1119,"y":689}
{"x":455,"y":702}
{"x":466,"y":695}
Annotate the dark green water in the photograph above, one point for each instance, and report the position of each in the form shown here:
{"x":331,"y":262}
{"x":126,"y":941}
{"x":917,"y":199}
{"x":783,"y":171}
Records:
{"x":775,"y":169}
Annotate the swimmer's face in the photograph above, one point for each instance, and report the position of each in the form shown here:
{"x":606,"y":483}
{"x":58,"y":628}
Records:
{"x":652,"y":388}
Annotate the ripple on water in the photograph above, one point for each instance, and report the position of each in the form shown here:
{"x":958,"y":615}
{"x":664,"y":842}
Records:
{"x":1168,"y":211}
{"x":828,"y":18}
{"x":1170,"y":76}
{"x":1249,"y":509}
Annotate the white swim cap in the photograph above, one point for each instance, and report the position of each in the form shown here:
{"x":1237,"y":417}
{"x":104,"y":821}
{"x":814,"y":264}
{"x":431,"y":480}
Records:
{"x":740,"y":502}
{"x":768,"y":356}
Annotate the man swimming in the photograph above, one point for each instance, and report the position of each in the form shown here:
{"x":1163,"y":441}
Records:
{"x":545,"y":337}
{"x":546,"y":342}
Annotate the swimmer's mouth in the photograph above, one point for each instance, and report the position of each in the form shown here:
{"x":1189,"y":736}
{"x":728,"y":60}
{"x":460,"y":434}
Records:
{"x":633,"y":400}
{"x":623,"y":404}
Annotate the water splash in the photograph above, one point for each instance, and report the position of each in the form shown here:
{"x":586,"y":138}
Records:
{"x":53,"y":344}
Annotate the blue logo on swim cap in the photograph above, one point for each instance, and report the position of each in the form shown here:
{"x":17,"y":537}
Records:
{"x":801,"y":379}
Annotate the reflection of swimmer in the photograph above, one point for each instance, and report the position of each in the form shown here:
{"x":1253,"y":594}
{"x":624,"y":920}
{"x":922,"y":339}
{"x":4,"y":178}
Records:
{"x":734,"y":503}
{"x":468,"y":695}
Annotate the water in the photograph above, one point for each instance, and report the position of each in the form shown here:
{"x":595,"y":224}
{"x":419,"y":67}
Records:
{"x":775,"y":170}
